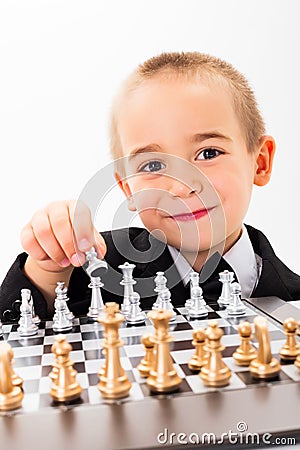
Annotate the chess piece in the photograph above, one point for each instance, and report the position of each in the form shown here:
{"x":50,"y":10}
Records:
{"x":264,"y":366}
{"x":64,"y":385}
{"x":197,"y":308}
{"x":15,"y":379}
{"x":164,"y":303}
{"x":236,"y":306}
{"x":147,"y":363}
{"x":291,"y":349}
{"x":11,"y":395}
{"x":194,"y":282}
{"x":163,"y":376}
{"x":93,"y":266}
{"x":245,"y":353}
{"x":61,"y":320}
{"x":1,"y":329}
{"x":35,"y":317}
{"x":215,"y":373}
{"x":226,"y":279}
{"x":114,"y":382}
{"x":297,"y":362}
{"x":27,"y":327}
{"x":199,"y":358}
{"x":160,"y":285}
{"x":135,"y":315}
{"x":128,"y":282}
{"x":97,"y":305}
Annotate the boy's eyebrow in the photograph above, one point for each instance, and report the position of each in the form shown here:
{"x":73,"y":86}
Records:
{"x":200,"y":137}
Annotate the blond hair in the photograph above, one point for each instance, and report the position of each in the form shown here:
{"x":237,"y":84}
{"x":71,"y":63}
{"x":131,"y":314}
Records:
{"x":194,"y":65}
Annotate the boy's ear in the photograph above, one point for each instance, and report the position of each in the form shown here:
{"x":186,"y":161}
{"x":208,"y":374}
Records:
{"x":264,"y":160}
{"x":123,"y":184}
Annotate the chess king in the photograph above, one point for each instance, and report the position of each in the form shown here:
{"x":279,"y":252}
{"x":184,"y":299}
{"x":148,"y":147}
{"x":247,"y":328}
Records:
{"x":188,"y":143}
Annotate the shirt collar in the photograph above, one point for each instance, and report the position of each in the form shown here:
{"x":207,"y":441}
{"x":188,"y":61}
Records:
{"x":240,"y":257}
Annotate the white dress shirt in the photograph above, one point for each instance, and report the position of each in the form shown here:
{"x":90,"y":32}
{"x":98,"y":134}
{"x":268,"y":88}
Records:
{"x":241,"y":257}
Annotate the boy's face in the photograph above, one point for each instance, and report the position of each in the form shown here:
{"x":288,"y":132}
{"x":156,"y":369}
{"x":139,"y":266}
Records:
{"x":189,"y":173}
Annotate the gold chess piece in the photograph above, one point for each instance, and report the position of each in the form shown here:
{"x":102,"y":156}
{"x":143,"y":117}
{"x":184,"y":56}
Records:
{"x":215,"y":373}
{"x":11,"y":395}
{"x":245,"y":353}
{"x":291,"y":348}
{"x":163,"y":376}
{"x":114,"y":382}
{"x":147,"y":362}
{"x":200,"y":356}
{"x":63,"y":375}
{"x":264,"y":366}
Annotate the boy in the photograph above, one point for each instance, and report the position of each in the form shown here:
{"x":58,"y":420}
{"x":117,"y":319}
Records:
{"x":189,"y":143}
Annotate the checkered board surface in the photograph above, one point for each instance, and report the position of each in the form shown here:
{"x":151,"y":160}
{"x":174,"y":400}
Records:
{"x":33,"y":359}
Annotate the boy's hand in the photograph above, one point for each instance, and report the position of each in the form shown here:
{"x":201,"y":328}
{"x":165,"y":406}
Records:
{"x":56,"y":242}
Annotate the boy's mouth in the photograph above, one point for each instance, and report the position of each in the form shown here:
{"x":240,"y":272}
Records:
{"x":195,"y":215}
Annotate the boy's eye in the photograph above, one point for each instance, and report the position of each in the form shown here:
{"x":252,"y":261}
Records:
{"x":152,"y":166}
{"x":209,"y":153}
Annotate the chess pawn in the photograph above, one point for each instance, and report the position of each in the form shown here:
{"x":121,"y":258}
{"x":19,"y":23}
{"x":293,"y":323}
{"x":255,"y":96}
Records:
{"x":163,"y":376}
{"x":236,"y":307}
{"x":97,"y":305}
{"x":135,"y":315}
{"x":215,"y":373}
{"x":147,"y":362}
{"x":128,"y":282}
{"x":264,"y":366}
{"x":199,"y":358}
{"x":27,"y":327}
{"x":11,"y":395}
{"x":245,"y":353}
{"x":160,"y":285}
{"x":226,"y":279}
{"x":291,"y":348}
{"x":114,"y":382}
{"x":63,"y":375}
{"x":197,"y":308}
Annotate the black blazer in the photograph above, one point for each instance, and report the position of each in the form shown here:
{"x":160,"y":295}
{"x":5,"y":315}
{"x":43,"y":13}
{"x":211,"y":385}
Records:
{"x":149,"y":255}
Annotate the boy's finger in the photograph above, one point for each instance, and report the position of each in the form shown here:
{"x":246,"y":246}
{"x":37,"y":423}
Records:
{"x":100,"y":245}
{"x":81,"y":220}
{"x":59,"y":219}
{"x":44,"y":235}
{"x":30,"y":244}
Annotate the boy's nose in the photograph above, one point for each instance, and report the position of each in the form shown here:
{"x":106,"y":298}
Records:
{"x":184,"y":188}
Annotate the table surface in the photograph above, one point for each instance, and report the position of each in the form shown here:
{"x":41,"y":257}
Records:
{"x":271,"y":409}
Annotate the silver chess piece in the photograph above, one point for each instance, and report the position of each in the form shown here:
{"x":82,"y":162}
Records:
{"x":93,"y":265}
{"x":226,"y":279}
{"x":62,"y":320}
{"x":194,"y":281}
{"x":35,"y":317}
{"x":97,"y":306}
{"x":27,"y":326}
{"x":197,"y":309}
{"x":236,"y":307}
{"x":164,"y":303}
{"x":160,"y":285}
{"x":135,"y":315}
{"x":128,"y":282}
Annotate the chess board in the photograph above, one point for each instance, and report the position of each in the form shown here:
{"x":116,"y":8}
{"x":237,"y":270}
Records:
{"x":33,"y":360}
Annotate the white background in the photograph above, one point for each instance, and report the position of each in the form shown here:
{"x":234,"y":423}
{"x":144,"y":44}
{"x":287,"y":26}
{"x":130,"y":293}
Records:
{"x":62,"y":61}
